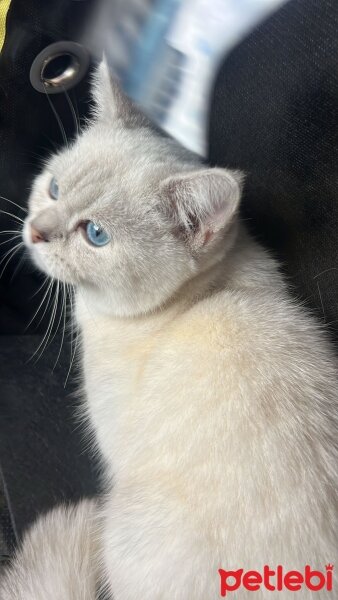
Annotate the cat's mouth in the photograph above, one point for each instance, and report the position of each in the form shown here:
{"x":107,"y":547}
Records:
{"x":46,"y":258}
{"x":54,"y":266}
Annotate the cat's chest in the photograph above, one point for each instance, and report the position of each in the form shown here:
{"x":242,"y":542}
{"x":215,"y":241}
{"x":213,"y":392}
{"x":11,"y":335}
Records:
{"x":116,"y":355}
{"x":140,"y":376}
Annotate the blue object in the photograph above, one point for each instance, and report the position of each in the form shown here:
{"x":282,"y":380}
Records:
{"x":96,"y":235}
{"x":54,"y":189}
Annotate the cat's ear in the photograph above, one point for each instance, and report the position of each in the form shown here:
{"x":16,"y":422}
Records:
{"x":202,"y":204}
{"x":111,"y":104}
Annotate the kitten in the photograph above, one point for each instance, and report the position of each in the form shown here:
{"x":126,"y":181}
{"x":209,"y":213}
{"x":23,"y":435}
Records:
{"x":212,"y":394}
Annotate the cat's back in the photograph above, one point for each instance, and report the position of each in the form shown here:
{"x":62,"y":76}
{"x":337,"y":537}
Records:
{"x":231,"y":419}
{"x":240,"y":343}
{"x":249,"y":335}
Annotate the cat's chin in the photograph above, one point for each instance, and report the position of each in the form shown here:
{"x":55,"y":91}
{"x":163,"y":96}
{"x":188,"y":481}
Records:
{"x":56,"y":272}
{"x":38,"y":262}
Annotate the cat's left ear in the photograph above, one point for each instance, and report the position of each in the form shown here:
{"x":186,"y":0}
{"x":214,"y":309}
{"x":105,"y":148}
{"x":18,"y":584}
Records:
{"x":112,"y":104}
{"x":202,"y":204}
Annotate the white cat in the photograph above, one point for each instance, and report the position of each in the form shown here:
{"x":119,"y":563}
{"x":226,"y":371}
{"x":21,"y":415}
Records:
{"x":212,"y":394}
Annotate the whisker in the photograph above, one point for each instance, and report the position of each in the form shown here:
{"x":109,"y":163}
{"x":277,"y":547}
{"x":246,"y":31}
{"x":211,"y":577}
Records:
{"x":14,"y":251}
{"x":44,"y":341}
{"x":18,"y":267}
{"x":12,"y":215}
{"x":41,"y":303}
{"x":50,"y":289}
{"x":64,"y":304}
{"x":9,"y":251}
{"x":71,"y":325}
{"x":60,"y":316}
{"x":46,"y":279}
{"x":62,"y":129}
{"x":10,"y":239}
{"x":14,"y":203}
{"x":321,"y":301}
{"x":51,"y":142}
{"x":76,"y":110}
{"x":325,"y":271}
{"x":31,"y":164}
{"x":6,"y":231}
{"x":74,"y":345}
{"x":70,"y":104}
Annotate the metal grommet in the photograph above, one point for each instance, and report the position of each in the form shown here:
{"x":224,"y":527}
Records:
{"x":59,"y":67}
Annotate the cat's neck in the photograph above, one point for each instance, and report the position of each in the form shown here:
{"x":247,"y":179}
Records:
{"x":244,"y":266}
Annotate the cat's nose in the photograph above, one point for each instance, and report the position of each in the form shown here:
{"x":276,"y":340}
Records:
{"x":45,"y":227}
{"x":38,"y":236}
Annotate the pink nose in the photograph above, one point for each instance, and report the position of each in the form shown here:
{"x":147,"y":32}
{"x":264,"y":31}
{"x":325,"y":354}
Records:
{"x":37,"y":236}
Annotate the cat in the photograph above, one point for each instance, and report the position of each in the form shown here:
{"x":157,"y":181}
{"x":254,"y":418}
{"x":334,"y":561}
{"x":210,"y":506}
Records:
{"x":212,"y":393}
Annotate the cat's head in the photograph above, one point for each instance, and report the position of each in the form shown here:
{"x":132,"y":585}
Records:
{"x":126,"y":213}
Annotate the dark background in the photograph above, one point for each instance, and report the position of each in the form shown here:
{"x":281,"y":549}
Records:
{"x":42,"y":454}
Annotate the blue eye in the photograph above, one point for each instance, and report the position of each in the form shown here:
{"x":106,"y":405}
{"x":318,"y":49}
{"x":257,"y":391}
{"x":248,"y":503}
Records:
{"x":54,"y":189}
{"x":96,"y":235}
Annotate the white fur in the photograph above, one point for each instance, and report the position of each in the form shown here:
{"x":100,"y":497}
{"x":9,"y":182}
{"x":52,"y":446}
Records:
{"x":58,"y":559}
{"x":212,"y":394}
{"x":217,"y":420}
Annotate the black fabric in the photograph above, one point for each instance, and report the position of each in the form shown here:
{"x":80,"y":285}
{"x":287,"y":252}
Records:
{"x":43,"y":457}
{"x":274,"y":114}
{"x":42,"y":446}
{"x":8,"y":534}
{"x":29,"y":131}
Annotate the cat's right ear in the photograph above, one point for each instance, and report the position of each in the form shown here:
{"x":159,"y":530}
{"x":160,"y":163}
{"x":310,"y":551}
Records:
{"x":111,"y":104}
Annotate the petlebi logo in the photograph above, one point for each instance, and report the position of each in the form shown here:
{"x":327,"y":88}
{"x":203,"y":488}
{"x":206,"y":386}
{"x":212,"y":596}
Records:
{"x":276,"y":580}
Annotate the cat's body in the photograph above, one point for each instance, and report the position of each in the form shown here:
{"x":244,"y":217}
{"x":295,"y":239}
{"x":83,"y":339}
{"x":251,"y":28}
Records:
{"x":211,"y":393}
{"x":212,"y":418}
